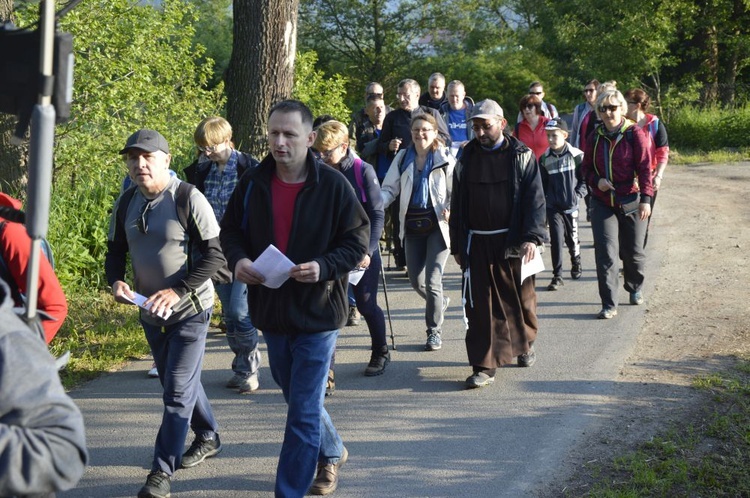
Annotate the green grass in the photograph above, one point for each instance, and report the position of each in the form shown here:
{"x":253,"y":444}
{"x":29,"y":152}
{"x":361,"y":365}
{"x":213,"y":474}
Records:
{"x":688,"y":156}
{"x":707,"y":456}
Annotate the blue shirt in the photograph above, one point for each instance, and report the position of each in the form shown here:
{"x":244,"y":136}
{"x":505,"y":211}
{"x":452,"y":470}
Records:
{"x":457,"y":125}
{"x":219,"y":185}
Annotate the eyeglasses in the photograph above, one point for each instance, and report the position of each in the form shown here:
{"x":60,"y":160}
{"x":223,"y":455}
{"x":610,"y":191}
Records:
{"x":325,"y":154}
{"x":535,"y":93}
{"x":209,"y":148}
{"x":484,"y":127}
{"x":589,"y":90}
{"x":530,"y":106}
{"x":610,"y":108}
{"x":142,"y":221}
{"x":417,"y":131}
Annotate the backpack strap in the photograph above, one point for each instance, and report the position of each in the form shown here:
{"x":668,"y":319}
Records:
{"x":358,"y":177}
{"x":122,"y":207}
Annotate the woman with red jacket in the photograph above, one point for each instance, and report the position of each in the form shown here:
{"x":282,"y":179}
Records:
{"x":530,"y":130}
{"x":15,"y":252}
{"x":617,"y":168}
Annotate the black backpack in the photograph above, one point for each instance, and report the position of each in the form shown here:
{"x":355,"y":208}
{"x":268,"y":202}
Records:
{"x":182,"y":200}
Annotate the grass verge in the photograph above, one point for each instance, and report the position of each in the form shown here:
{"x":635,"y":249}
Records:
{"x":688,"y":157}
{"x":708,"y":455}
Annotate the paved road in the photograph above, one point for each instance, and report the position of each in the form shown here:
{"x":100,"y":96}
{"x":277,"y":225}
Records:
{"x":413,"y":432}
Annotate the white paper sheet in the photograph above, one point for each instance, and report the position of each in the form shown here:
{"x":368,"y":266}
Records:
{"x":274,"y":266}
{"x":140,"y":299}
{"x":532,"y":267}
{"x":356,"y":275}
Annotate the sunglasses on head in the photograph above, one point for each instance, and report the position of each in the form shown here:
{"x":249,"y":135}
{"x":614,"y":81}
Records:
{"x":610,"y":108}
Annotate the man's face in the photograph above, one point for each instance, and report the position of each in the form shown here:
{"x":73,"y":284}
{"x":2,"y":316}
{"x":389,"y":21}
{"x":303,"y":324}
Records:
{"x":289,"y":138}
{"x":408,"y":98}
{"x":556,"y":139}
{"x":376,"y":111}
{"x":456,"y":96}
{"x":488,"y":131}
{"x":148,"y":170}
{"x":538,"y":91}
{"x":437,"y":86}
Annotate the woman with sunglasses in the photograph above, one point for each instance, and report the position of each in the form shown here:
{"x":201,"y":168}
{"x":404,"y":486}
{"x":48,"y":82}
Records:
{"x":332,"y":143}
{"x":638,"y":105}
{"x":530,"y":130}
{"x":422,"y":174}
{"x":617,"y":168}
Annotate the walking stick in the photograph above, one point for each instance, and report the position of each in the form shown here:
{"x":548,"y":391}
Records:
{"x":385,"y":293}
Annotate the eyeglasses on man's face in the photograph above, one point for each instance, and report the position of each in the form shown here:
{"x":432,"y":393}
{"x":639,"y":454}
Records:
{"x":483,"y":127}
{"x":610,"y":108}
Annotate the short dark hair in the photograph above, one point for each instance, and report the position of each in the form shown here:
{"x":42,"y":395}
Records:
{"x":373,"y":97}
{"x":639,"y":97}
{"x":533,"y":100}
{"x":323,"y":118}
{"x":535,"y":83}
{"x":291,"y":105}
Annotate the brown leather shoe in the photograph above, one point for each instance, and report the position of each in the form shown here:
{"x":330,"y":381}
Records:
{"x":327,"y":479}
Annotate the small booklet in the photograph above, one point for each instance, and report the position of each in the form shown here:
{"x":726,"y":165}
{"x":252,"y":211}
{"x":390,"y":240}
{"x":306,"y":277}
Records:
{"x":532,"y":267}
{"x":140,"y":299}
{"x":274,"y":266}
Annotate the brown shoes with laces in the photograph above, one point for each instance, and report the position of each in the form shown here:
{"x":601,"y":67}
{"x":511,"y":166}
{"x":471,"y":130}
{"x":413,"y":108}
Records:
{"x":327,"y":479}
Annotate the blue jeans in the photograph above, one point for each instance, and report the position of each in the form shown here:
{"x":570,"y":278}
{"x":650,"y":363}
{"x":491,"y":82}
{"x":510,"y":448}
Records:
{"x":242,"y":335}
{"x":178,"y":353}
{"x":425,"y":261}
{"x":299,"y":365}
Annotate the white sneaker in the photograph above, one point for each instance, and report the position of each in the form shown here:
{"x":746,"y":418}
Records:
{"x":250,"y":384}
{"x":153,"y":373}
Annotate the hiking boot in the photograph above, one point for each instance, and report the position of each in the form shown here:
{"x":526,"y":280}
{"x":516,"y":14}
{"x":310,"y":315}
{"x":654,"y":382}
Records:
{"x":330,"y":383}
{"x":200,"y":450}
{"x":157,"y":485}
{"x":354,"y":317}
{"x":607,"y":313}
{"x":556,"y":283}
{"x":527,"y":359}
{"x":378,"y":361}
{"x":636,"y":298}
{"x":249,"y":384}
{"x":575,"y":270}
{"x":479,"y":379}
{"x":433,"y":341}
{"x":327,"y":479}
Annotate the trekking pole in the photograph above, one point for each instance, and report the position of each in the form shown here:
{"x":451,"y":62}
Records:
{"x":385,"y":293}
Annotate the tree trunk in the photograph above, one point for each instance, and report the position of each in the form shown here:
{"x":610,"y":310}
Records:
{"x":12,"y":157}
{"x":710,"y":91}
{"x":261,"y":69}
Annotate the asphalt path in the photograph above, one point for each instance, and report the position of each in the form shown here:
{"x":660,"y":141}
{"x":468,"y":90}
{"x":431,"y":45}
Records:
{"x":414,"y":431}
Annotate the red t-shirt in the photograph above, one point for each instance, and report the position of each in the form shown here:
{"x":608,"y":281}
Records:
{"x":283,"y":197}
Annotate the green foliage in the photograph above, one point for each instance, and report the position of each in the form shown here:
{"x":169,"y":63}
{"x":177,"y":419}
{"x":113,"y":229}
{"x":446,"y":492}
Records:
{"x":710,"y":128}
{"x":135,"y":68}
{"x":322,"y":95}
{"x":213,"y":30}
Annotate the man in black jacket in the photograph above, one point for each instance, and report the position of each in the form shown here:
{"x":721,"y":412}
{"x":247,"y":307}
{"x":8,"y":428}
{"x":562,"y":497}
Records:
{"x":310,"y":213}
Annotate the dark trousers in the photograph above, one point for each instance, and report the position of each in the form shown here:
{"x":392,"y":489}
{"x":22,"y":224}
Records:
{"x":178,"y":353}
{"x":366,"y":295}
{"x":563,"y":228}
{"x":617,"y":236}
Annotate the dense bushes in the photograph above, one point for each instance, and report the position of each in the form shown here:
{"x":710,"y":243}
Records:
{"x":695,"y":129}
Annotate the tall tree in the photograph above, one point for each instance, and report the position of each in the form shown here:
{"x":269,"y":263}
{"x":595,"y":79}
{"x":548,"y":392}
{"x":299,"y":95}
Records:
{"x":261,"y":70}
{"x":12,"y":157}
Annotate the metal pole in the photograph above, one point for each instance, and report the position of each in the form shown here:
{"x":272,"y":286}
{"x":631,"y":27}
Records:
{"x":385,"y":293}
{"x":40,"y":154}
